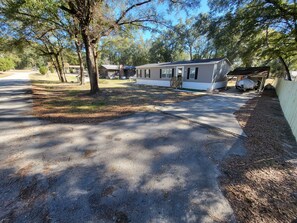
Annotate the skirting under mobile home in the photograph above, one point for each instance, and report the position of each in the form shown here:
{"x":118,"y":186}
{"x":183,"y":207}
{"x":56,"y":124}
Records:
{"x":204,"y":74}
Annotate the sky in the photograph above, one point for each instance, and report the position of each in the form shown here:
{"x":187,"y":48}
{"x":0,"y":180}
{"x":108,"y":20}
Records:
{"x":176,"y":16}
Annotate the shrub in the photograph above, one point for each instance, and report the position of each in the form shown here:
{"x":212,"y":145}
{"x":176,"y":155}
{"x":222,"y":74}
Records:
{"x":6,"y":64}
{"x":52,"y":70}
{"x":43,"y":70}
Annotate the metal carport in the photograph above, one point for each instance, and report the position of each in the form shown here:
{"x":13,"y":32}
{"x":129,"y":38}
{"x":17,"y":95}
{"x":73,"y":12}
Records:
{"x":259,"y":73}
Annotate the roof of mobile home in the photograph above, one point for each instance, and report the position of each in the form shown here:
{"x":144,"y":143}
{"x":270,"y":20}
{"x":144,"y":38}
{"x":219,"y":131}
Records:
{"x":116,"y":67}
{"x":185,"y":62}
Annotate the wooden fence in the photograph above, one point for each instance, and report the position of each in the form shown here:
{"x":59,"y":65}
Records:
{"x":287,"y":94}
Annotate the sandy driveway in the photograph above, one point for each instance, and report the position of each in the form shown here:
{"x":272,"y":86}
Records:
{"x":147,"y":167}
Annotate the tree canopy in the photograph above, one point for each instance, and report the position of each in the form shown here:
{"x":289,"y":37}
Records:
{"x":258,"y":29}
{"x":85,"y":22}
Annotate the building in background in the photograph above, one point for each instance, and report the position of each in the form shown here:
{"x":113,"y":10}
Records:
{"x":111,"y":71}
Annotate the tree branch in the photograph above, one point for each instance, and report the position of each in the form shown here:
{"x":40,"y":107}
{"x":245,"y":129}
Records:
{"x":130,"y":8}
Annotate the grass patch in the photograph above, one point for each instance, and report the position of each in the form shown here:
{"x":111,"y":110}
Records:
{"x":70,"y":102}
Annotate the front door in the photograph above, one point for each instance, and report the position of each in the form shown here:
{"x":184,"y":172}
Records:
{"x":179,"y":72}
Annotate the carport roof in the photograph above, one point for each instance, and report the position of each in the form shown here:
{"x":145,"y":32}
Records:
{"x":250,"y":71}
{"x":111,"y":67}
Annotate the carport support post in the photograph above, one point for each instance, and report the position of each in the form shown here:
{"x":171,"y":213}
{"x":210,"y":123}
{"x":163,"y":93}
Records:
{"x":262,"y":84}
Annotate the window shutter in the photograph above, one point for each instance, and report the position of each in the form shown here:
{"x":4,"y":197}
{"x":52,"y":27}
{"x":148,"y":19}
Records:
{"x":188,"y":75}
{"x":172,"y":72}
{"x":140,"y":73}
{"x":196,"y":72}
{"x":149,"y":73}
{"x":160,"y":73}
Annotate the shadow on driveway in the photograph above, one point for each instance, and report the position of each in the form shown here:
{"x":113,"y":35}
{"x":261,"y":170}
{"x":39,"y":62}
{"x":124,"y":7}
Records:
{"x":148,"y":167}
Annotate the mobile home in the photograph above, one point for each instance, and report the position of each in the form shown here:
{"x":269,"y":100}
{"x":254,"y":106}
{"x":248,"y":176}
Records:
{"x":203,"y":74}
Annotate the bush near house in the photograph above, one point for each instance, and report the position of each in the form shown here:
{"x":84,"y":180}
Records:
{"x":6,"y":64}
{"x":43,"y":70}
{"x":52,"y":70}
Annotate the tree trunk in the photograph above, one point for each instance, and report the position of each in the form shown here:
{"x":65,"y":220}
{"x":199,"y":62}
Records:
{"x":191,"y":53}
{"x":54,"y":61}
{"x":96,"y":61}
{"x":122,"y":72}
{"x":56,"y":68}
{"x":63,"y":67}
{"x":81,"y":65}
{"x":91,"y":64}
{"x":59,"y":68}
{"x":286,"y":68}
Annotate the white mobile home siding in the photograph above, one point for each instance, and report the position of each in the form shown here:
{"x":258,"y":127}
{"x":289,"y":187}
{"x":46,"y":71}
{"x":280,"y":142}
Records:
{"x":204,"y":73}
{"x":210,"y":75}
{"x":220,"y":71}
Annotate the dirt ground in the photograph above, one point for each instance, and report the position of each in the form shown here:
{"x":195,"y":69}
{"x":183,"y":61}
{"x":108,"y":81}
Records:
{"x":70,"y":103}
{"x":262,"y":186}
{"x":148,"y":167}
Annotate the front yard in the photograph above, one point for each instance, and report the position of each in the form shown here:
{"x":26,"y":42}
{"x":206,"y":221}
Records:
{"x":261,"y":186}
{"x":146,"y":167}
{"x":71,"y":103}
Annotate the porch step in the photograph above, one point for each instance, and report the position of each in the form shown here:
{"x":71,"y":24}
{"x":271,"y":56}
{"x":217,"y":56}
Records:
{"x":176,"y":82}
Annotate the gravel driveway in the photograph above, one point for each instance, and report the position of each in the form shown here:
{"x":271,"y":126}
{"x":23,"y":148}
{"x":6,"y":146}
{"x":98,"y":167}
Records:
{"x":212,"y":110}
{"x":147,"y":167}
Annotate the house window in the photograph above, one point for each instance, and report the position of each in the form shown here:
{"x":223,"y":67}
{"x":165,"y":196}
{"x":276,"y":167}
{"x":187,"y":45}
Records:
{"x":166,"y":73}
{"x":147,"y":73}
{"x":192,"y":73}
{"x":137,"y":73}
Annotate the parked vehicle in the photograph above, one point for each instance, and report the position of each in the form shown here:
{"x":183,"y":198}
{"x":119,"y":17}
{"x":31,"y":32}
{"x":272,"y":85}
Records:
{"x":132,"y":78}
{"x":246,"y":84}
{"x":113,"y":76}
